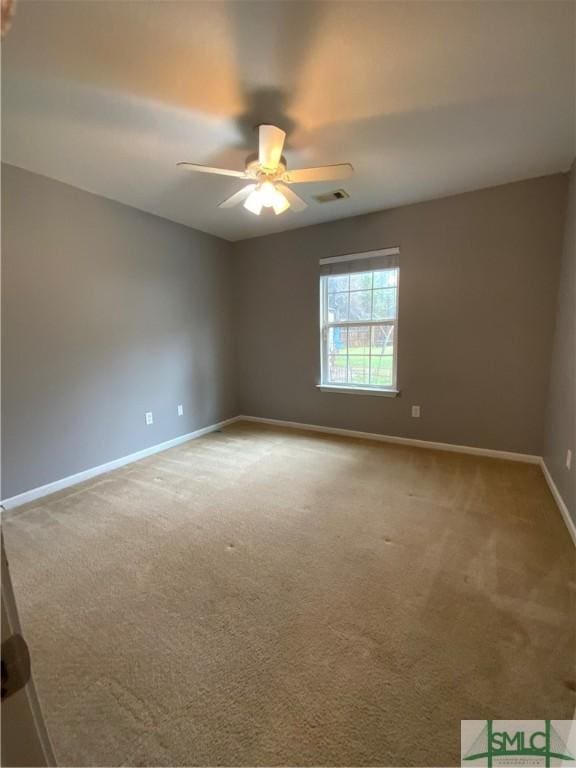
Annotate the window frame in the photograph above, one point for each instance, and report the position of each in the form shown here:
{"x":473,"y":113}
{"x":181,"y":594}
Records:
{"x":347,"y":388}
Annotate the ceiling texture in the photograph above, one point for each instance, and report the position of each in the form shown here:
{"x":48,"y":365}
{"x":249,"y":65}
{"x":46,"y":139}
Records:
{"x":425,"y":99}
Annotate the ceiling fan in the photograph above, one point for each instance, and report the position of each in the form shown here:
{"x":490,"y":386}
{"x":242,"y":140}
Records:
{"x":269,"y":177}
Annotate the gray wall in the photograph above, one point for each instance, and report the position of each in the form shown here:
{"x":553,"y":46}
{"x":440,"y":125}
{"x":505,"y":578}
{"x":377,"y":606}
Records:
{"x":478,"y":285}
{"x":107,"y":312}
{"x":561,"y":417}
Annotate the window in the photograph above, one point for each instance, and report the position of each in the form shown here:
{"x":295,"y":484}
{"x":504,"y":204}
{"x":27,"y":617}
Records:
{"x":359,"y":311}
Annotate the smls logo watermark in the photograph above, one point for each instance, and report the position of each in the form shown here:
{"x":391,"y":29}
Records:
{"x":518,"y":743}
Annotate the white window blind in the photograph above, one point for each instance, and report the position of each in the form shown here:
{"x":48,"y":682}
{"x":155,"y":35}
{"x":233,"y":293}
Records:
{"x":359,"y":317}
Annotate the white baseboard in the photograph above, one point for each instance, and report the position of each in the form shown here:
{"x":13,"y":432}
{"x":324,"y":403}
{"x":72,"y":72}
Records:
{"x":508,"y":455}
{"x":559,"y":501}
{"x":80,"y":477}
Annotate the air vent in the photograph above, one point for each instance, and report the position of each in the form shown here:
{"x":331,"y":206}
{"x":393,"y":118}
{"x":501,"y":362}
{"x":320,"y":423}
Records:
{"x":328,"y":197}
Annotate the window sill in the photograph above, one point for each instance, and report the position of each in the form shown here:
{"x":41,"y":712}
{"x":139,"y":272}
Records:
{"x":358,"y":390}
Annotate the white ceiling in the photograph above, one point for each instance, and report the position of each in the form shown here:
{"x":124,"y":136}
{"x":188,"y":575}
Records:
{"x":423,"y":98}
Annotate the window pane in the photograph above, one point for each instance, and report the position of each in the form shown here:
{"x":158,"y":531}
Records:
{"x":361,"y":281}
{"x":359,"y":340}
{"x":386,"y":278}
{"x":337,"y":306}
{"x":381,"y":371}
{"x":360,"y":305}
{"x":384,"y":304}
{"x":382,"y":359}
{"x":338,"y":283}
{"x":337,"y":341}
{"x":337,"y":369}
{"x":359,"y":369}
{"x":382,"y":340}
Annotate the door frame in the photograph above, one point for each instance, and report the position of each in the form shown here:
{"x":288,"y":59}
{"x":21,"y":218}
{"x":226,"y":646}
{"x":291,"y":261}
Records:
{"x":24,"y":733}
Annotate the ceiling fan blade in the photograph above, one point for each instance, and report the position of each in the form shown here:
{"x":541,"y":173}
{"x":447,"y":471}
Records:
{"x":209,"y":169}
{"x":270,"y":145}
{"x":296,"y":202}
{"x":237,"y":197}
{"x":321,"y":173}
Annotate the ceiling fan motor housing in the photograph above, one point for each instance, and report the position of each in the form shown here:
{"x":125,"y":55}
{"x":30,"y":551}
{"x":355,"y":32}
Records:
{"x":255,"y":170}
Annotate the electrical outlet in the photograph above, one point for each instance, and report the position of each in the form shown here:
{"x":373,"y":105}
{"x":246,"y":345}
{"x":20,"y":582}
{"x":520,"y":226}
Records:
{"x":149,"y":418}
{"x":180,"y":410}
{"x":568,"y":459}
{"x":415,"y":411}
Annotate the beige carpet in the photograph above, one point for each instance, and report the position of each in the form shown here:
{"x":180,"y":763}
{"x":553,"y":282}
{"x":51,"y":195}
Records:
{"x":266,"y":597}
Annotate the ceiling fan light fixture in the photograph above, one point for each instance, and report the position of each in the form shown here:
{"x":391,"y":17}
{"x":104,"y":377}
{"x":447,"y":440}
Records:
{"x":280,"y":203}
{"x":272,"y":197}
{"x":266,"y":196}
{"x":267,"y":192}
{"x":253,"y":202}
